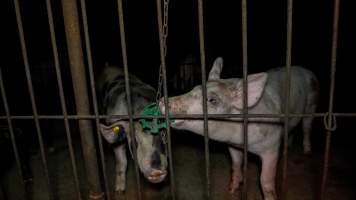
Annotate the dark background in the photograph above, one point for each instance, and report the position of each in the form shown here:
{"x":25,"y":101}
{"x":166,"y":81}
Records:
{"x":312,"y":25}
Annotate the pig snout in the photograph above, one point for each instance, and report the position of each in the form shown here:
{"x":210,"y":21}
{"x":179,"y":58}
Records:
{"x":174,"y":106}
{"x":156,"y":175}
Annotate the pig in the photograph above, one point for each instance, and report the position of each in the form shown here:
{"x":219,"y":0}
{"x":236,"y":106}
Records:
{"x":265,"y":96}
{"x":151,"y":157}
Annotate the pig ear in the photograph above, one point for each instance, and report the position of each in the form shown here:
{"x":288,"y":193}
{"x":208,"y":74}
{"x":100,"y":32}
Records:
{"x":215,"y":71}
{"x":255,"y":87}
{"x":107,"y":133}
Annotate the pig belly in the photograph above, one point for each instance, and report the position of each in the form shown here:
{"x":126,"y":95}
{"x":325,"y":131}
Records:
{"x":261,"y":136}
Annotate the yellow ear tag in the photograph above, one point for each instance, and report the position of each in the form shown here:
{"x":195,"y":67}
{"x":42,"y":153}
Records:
{"x":116,"y":129}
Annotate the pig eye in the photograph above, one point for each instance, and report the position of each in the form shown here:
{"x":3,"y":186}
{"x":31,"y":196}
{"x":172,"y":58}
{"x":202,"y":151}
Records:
{"x":213,"y":100}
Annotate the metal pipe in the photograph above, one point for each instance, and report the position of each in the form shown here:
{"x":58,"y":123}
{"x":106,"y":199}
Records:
{"x":179,"y":116}
{"x":62,"y":99}
{"x":245,"y":111}
{"x":284,"y":186}
{"x":128,"y":94}
{"x":94,"y":97}
{"x":72,"y":29}
{"x":205,"y":108}
{"x":163,"y":52}
{"x":331,"y":95}
{"x":32,"y":96}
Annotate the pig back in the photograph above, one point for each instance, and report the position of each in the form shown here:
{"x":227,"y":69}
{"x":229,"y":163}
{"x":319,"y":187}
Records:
{"x":303,"y":84}
{"x":114,"y":97}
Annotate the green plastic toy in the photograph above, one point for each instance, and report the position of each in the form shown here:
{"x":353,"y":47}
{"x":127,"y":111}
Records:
{"x":156,"y":124}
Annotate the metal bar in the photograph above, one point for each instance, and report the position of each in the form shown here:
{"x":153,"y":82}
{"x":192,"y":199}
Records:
{"x":331,"y":97}
{"x":284,"y":186}
{"x":128,"y":93}
{"x":178,"y":116}
{"x":94,"y":97}
{"x":205,"y":109}
{"x":165,"y":93}
{"x":245,"y":111}
{"x":72,"y":29}
{"x":32,"y":96}
{"x":12,"y":133}
{"x":62,"y":99}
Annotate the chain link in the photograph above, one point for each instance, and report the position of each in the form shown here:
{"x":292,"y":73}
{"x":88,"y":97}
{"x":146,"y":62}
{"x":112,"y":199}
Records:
{"x":165,"y":25}
{"x":160,"y":77}
{"x":165,"y":35}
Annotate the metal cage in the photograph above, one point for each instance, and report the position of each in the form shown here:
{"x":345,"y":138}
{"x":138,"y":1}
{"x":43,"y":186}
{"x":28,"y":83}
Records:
{"x":85,"y":117}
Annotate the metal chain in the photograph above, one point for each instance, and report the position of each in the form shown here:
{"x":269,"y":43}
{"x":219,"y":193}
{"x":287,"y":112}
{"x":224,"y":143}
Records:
{"x":160,"y":77}
{"x":165,"y":35}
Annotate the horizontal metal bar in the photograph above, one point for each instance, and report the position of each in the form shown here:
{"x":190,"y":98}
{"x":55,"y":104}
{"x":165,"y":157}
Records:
{"x":177,"y":116}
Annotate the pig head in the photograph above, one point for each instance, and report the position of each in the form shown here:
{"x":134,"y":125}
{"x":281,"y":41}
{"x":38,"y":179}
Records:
{"x":151,"y":158}
{"x":265,"y":94}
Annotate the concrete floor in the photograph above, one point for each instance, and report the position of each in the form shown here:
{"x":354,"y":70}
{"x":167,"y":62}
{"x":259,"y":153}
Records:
{"x":304,"y":174}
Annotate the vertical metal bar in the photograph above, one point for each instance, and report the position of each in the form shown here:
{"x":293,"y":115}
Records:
{"x":128,"y":93}
{"x":331,"y":94}
{"x":245,"y":111}
{"x":12,"y":133}
{"x":72,"y":29}
{"x":205,"y":109}
{"x":284,"y":186}
{"x":61,"y":95}
{"x":93,"y":91}
{"x":165,"y":93}
{"x":32,"y":95}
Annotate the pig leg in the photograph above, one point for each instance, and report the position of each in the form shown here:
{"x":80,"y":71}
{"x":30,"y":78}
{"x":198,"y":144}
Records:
{"x":236,"y":178}
{"x":268,"y":174}
{"x":307,"y":126}
{"x":121,"y":166}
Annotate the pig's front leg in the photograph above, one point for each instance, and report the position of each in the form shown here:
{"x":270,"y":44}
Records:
{"x":121,"y":166}
{"x":236,"y":177}
{"x":268,"y":174}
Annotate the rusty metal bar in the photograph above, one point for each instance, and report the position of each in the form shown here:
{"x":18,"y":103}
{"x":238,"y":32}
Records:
{"x":72,"y":29}
{"x":165,"y":93}
{"x":128,"y":93}
{"x":331,"y":97}
{"x":94,"y":97}
{"x":12,"y":133}
{"x":62,"y":99}
{"x":205,"y":108}
{"x":245,"y":111}
{"x":32,"y":96}
{"x":284,"y":186}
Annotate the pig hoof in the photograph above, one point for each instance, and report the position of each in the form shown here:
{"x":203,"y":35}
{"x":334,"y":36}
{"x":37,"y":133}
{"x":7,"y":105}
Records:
{"x":234,"y":186}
